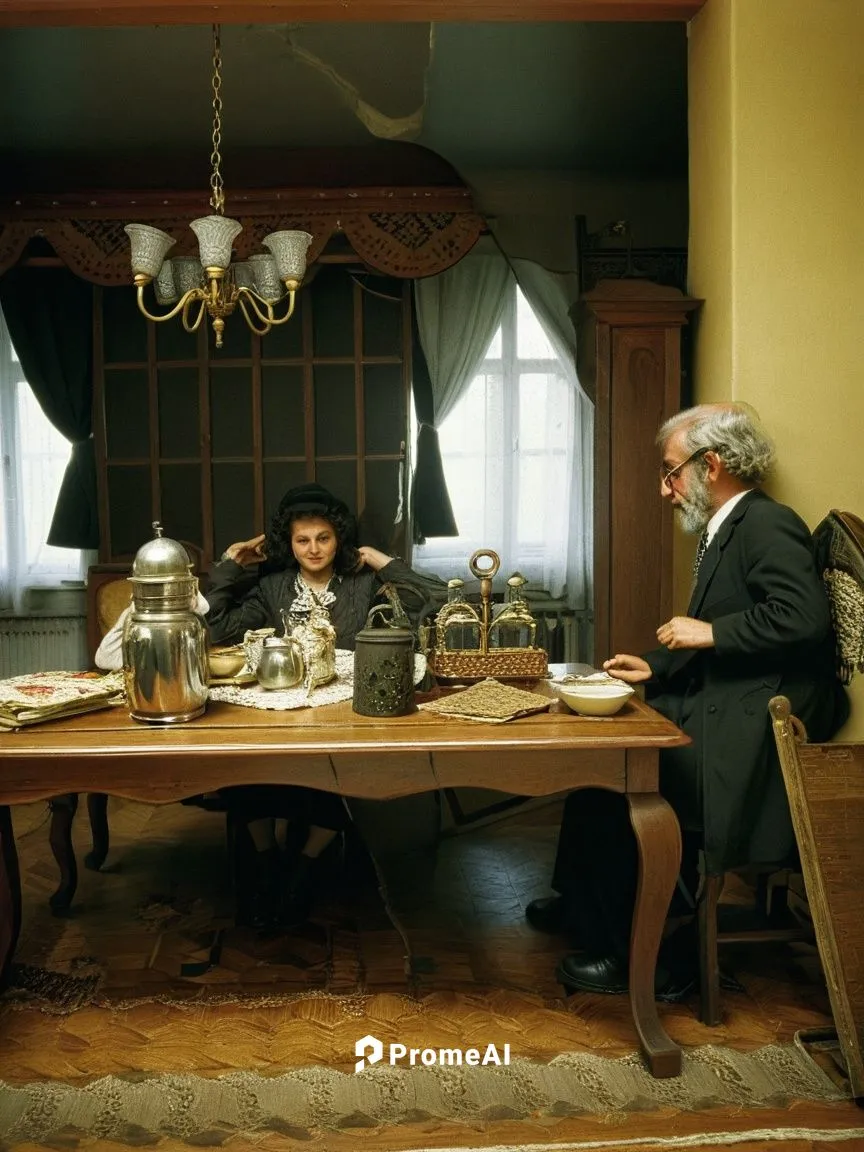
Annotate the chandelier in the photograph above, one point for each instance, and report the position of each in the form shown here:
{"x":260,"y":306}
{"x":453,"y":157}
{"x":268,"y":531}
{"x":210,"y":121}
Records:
{"x":213,"y":284}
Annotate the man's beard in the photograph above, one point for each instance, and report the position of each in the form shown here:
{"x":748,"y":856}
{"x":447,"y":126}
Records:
{"x":695,"y":510}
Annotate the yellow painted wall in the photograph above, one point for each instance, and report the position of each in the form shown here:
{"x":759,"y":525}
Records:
{"x":777,"y":239}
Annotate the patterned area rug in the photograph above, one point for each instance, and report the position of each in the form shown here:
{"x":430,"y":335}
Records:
{"x":302,"y":1101}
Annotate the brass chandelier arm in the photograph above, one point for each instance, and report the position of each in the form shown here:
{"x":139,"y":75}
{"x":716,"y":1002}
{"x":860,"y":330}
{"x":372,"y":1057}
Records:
{"x":178,"y":307}
{"x":250,"y":296}
{"x":194,"y":295}
{"x":265,"y":326}
{"x":290,"y":312}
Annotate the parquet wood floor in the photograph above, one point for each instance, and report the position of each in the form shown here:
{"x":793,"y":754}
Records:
{"x":484,"y":975}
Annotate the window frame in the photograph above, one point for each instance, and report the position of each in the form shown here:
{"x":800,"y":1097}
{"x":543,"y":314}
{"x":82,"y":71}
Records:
{"x":448,"y":552}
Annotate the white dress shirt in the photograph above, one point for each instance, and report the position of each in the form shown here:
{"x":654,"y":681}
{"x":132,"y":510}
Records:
{"x":713,"y":525}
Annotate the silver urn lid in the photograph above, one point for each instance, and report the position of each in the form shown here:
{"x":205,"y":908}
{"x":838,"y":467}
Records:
{"x":161,"y":559}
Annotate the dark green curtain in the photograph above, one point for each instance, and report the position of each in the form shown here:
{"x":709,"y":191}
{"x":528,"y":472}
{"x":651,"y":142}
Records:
{"x":49,"y":313}
{"x":431,"y":510}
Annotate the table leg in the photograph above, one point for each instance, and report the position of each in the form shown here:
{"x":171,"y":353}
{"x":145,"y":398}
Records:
{"x":10,"y":895}
{"x":97,"y":810}
{"x":659,"y":838}
{"x":63,"y":809}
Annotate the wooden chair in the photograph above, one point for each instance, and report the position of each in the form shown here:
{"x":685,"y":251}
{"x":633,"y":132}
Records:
{"x":768,"y":920}
{"x":825,"y":783}
{"x":839,"y":547}
{"x":108,"y":593}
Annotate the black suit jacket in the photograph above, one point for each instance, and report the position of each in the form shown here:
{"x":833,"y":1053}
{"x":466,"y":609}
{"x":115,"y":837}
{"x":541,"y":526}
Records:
{"x":759,"y":587}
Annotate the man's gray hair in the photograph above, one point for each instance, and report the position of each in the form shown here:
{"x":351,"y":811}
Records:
{"x":733,"y":431}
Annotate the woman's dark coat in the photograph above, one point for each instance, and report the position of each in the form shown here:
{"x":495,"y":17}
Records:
{"x":239,"y":600}
{"x":759,"y":587}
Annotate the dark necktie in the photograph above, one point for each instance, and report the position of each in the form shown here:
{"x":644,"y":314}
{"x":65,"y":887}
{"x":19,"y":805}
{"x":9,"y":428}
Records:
{"x":701,"y":548}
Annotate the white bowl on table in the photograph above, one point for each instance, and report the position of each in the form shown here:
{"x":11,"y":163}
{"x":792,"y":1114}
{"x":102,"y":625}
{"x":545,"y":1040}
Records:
{"x":593,"y":696}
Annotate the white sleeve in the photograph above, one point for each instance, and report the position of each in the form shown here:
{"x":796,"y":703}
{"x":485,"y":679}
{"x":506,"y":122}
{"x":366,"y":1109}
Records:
{"x":109,"y":654}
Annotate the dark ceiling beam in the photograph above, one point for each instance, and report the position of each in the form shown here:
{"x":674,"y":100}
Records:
{"x":119,"y":13}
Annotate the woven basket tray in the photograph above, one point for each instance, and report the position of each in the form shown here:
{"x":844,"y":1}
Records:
{"x":502,"y":664}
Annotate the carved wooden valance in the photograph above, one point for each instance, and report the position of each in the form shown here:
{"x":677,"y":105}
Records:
{"x":405,"y":232}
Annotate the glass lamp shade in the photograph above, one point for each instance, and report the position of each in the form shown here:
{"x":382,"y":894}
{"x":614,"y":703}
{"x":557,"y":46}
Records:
{"x":244,"y":277}
{"x":149,"y":248}
{"x":188,"y":273}
{"x":267,"y":282}
{"x":163,"y":285}
{"x":215,"y":235}
{"x":289,"y":251}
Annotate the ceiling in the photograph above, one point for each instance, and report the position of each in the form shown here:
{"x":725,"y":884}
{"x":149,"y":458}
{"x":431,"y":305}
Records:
{"x":600,"y":97}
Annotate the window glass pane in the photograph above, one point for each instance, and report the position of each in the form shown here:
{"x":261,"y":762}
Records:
{"x":544,"y":411}
{"x":531,"y":340}
{"x":44,"y":454}
{"x":507,"y":450}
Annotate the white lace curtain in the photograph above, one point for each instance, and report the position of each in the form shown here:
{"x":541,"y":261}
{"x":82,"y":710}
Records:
{"x":458,"y":314}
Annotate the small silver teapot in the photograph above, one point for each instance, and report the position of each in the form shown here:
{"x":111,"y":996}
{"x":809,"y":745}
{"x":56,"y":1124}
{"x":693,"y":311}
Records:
{"x":281,"y":664}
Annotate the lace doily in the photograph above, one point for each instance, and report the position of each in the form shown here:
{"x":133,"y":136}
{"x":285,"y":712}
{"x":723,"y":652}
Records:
{"x":342,"y":688}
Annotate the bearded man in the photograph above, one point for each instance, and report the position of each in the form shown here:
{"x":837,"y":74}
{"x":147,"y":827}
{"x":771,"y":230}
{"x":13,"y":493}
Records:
{"x":758,"y":624}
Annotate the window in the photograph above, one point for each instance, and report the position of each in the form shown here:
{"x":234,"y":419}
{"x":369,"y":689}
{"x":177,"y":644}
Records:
{"x":34,"y":456}
{"x":507,"y":449}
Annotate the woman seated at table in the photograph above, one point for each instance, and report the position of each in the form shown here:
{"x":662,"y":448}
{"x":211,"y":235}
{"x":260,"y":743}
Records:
{"x":309,"y":547}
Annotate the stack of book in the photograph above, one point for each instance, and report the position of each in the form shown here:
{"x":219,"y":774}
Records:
{"x":39,"y":696}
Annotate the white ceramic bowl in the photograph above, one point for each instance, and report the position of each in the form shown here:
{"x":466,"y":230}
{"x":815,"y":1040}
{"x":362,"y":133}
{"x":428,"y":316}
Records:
{"x":593,"y":699}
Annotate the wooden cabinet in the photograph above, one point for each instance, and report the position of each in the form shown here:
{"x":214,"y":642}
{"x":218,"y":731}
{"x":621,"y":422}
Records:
{"x":630,"y":362}
{"x":208,"y":440}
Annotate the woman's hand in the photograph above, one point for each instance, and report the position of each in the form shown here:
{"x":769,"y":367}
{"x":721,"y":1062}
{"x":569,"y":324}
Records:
{"x":632,"y":669}
{"x":246,"y":552}
{"x":372,"y":558}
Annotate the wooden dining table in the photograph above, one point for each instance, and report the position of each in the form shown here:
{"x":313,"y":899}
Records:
{"x":334,"y":749}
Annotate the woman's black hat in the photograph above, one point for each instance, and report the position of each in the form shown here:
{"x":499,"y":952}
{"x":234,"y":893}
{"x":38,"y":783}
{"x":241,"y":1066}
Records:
{"x":312,"y":498}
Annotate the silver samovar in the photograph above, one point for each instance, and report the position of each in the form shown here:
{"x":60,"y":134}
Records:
{"x":164,"y":642}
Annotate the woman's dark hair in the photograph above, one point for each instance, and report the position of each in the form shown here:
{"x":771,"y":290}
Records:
{"x":311,"y":502}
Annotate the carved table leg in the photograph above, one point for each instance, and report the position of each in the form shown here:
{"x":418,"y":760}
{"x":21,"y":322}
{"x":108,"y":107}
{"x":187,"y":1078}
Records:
{"x":63,"y":809}
{"x":97,"y":810}
{"x":659,"y":839}
{"x":10,"y":896}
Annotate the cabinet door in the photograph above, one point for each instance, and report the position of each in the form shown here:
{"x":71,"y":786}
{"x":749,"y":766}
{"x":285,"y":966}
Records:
{"x":208,"y":440}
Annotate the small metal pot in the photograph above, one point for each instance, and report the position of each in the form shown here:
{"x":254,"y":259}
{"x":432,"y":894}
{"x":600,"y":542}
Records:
{"x":281,"y":663}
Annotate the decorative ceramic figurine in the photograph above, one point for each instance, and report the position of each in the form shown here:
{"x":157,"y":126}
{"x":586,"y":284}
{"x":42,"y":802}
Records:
{"x":317,"y":640}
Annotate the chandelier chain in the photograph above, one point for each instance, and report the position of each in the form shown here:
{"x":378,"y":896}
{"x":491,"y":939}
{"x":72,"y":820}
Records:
{"x":217,"y":196}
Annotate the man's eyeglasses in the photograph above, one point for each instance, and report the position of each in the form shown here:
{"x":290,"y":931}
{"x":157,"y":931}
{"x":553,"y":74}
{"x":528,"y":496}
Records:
{"x":667,"y":477}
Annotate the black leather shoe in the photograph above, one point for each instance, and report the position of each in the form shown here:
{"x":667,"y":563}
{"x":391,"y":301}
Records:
{"x":548,"y":915}
{"x":609,"y":974}
{"x":582,"y":973}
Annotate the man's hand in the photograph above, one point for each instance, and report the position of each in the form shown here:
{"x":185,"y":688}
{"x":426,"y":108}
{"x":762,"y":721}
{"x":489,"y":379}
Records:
{"x":372,"y":558}
{"x":246,"y":552}
{"x":686,"y":632}
{"x":633,"y":669}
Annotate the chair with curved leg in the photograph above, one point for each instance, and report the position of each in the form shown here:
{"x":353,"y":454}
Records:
{"x":107,"y":595}
{"x":839,"y":547}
